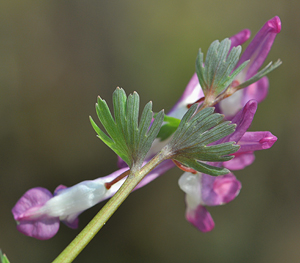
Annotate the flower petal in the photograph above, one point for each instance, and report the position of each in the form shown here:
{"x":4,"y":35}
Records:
{"x":260,"y":46}
{"x":250,"y":142}
{"x":30,"y":221}
{"x":218,"y":190}
{"x":59,"y":188}
{"x":255,"y":141}
{"x":33,"y":198}
{"x":243,"y":120}
{"x":240,"y":161}
{"x":240,"y":38}
{"x":121,"y":163}
{"x":159,"y":170}
{"x":191,"y":185}
{"x":75,"y":199}
{"x":71,"y":221}
{"x":257,"y":91}
{"x":192,"y":93}
{"x":200,"y":218}
{"x":227,"y":188}
{"x":43,"y":228}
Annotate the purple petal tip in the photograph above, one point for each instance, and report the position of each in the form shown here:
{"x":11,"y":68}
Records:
{"x":275,"y":23}
{"x":33,"y":198}
{"x":218,"y":190}
{"x":250,"y":107}
{"x":72,"y":224}
{"x":201,"y":219}
{"x":240,"y":38}
{"x":41,"y":229}
{"x":58,"y":189}
{"x":240,"y":161}
{"x":227,"y":187}
{"x":245,"y":34}
{"x":267,"y":142}
{"x":29,"y":222}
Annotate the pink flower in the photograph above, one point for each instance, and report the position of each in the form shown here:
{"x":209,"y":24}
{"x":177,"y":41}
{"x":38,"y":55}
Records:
{"x":29,"y":221}
{"x":248,"y":141}
{"x":38,"y":213}
{"x":205,"y":190}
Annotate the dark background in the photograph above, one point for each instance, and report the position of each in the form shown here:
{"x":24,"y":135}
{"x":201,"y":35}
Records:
{"x":57,"y":56}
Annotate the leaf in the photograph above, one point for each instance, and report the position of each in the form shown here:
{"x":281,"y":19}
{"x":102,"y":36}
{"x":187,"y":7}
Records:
{"x":202,"y":167}
{"x":266,"y":70}
{"x":215,"y":75}
{"x":3,"y":258}
{"x":168,"y":128}
{"x":127,"y":137}
{"x":194,"y":141}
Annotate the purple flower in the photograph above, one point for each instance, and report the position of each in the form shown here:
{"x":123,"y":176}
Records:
{"x":257,"y":52}
{"x":38,"y":213}
{"x":29,"y":221}
{"x":248,"y":141}
{"x":205,"y":190}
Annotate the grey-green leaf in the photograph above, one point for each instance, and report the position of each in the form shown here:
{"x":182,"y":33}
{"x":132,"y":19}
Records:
{"x":196,"y":141}
{"x":266,"y":70}
{"x":126,"y":136}
{"x":217,"y":72}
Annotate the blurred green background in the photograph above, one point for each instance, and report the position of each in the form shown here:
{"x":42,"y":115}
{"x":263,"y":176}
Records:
{"x":57,"y":56}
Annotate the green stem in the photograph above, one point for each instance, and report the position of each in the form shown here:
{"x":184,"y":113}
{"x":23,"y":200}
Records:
{"x":87,"y":234}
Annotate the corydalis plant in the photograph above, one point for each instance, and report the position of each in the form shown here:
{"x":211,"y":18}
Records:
{"x":193,"y":139}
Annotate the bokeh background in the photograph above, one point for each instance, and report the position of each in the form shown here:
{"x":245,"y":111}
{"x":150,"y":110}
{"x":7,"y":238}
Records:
{"x":57,"y":56}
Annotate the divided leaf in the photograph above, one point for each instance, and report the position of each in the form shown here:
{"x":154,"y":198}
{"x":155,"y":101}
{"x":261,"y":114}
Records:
{"x":126,"y":137}
{"x":194,"y":141}
{"x":215,"y":75}
{"x":218,"y":72}
{"x":266,"y":70}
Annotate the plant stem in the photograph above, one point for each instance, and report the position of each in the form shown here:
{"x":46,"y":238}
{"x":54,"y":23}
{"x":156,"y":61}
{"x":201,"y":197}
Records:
{"x":87,"y":234}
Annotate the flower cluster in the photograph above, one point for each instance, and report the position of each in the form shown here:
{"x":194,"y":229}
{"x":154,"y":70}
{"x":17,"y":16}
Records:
{"x":38,"y":213}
